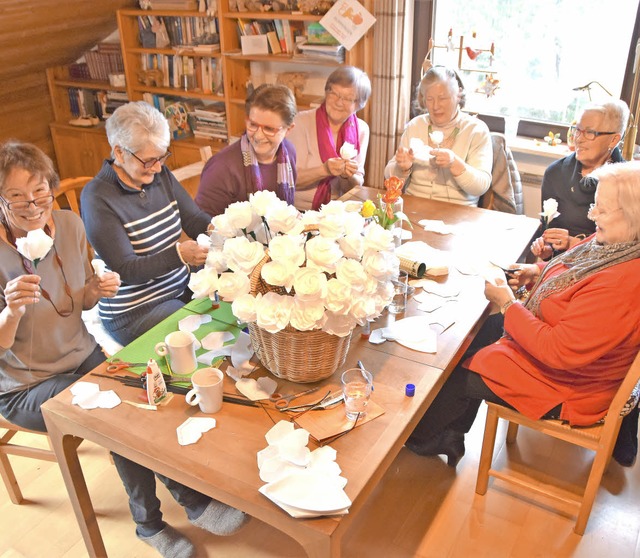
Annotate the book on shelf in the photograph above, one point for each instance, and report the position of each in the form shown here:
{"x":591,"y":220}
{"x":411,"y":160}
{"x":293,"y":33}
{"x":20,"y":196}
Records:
{"x":320,"y":52}
{"x":187,"y":5}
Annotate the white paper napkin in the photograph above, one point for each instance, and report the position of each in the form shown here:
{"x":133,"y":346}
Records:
{"x":191,"y":430}
{"x":87,"y":395}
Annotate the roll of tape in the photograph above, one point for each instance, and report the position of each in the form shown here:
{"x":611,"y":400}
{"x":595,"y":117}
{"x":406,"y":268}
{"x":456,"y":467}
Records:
{"x":415,"y":269}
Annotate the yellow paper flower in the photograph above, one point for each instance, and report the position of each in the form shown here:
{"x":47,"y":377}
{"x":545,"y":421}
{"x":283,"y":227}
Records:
{"x":368,"y":207}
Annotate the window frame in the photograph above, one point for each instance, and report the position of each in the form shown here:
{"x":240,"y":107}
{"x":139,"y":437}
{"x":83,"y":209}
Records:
{"x":424,"y":18}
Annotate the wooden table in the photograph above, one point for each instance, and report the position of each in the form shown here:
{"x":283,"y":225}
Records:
{"x":222,"y":463}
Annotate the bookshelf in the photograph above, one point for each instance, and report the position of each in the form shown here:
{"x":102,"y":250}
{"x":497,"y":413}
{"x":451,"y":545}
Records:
{"x":194,"y":59}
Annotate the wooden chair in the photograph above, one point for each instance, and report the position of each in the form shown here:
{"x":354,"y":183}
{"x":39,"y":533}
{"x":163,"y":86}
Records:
{"x":600,"y":438}
{"x":69,"y":193}
{"x":6,"y":449}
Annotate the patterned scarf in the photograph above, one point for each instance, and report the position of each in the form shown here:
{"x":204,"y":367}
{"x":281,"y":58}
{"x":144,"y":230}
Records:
{"x":582,"y":261}
{"x":328,"y":149}
{"x":285,"y":186}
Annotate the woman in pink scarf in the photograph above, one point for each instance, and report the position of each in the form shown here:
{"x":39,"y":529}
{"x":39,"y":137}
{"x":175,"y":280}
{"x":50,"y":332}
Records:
{"x":319,"y":136}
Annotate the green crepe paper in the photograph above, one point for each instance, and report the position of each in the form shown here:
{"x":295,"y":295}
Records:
{"x":143,"y":348}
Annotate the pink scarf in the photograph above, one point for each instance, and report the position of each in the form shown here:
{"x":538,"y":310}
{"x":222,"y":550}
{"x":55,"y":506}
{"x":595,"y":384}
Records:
{"x":328,"y":150}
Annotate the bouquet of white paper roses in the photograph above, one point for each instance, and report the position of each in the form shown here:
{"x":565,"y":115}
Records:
{"x":283,"y":271}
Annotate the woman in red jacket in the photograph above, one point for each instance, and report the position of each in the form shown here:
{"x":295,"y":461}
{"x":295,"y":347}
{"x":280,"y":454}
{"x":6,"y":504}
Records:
{"x":565,"y":351}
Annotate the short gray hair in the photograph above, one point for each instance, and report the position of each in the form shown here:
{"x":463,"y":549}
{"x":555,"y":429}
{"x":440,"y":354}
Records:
{"x":440,"y":74}
{"x":350,"y":76}
{"x":136,"y":125}
{"x":615,"y":114}
{"x":626,"y":178}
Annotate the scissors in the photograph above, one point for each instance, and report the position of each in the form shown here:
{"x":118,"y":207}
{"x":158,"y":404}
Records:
{"x":327,"y":402}
{"x":117,"y":364}
{"x":282,"y":401}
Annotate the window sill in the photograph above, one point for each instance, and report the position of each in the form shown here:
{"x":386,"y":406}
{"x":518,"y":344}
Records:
{"x":533,"y":156}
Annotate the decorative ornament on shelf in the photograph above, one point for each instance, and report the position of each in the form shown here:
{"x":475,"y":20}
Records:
{"x":549,"y":212}
{"x":553,"y":139}
{"x":489,"y":86}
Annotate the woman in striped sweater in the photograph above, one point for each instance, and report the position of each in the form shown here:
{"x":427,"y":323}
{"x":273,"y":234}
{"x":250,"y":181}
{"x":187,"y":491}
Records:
{"x":135,"y":212}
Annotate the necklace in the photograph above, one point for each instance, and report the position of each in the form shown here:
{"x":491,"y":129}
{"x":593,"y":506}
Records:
{"x":447,"y":143}
{"x":29,"y":269}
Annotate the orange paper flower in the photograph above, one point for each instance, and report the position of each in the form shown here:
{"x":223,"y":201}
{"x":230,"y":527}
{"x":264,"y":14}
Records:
{"x":393,"y":187}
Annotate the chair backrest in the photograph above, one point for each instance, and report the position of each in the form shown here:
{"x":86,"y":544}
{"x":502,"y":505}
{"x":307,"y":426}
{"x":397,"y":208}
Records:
{"x":505,"y":193}
{"x":622,"y":396}
{"x":69,"y":193}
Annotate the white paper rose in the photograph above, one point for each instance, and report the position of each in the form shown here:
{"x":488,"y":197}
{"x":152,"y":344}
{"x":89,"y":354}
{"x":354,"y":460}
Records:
{"x":261,"y":201}
{"x":380,"y":265}
{"x":203,"y":240}
{"x":338,"y":325}
{"x":244,"y":307}
{"x":306,"y":316}
{"x":279,"y":274}
{"x":273,"y":312}
{"x":348,"y":151}
{"x":287,"y":248}
{"x":352,"y":246}
{"x":549,"y":209}
{"x":223,"y":226}
{"x":351,"y":272}
{"x":331,"y":226}
{"x":310,"y":284}
{"x":437,"y":137}
{"x":334,"y":207}
{"x":363,"y":308}
{"x":204,"y":282}
{"x":242,"y":255}
{"x":323,"y":254}
{"x":338,"y":298}
{"x":216,"y":260}
{"x":377,"y":238}
{"x":240,"y":215}
{"x":35,"y":245}
{"x":282,"y":218}
{"x":233,"y":285}
{"x":353,"y":223}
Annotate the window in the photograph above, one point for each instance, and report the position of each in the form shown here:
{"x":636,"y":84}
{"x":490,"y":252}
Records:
{"x":544,"y":50}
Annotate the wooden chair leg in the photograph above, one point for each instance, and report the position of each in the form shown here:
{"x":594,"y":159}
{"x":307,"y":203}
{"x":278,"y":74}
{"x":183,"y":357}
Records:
{"x":10,"y":481}
{"x":486,"y":456}
{"x":512,"y":432}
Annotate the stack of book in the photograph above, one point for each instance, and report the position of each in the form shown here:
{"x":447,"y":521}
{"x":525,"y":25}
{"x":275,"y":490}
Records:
{"x":209,"y":121}
{"x":325,"y":53}
{"x":104,"y":60}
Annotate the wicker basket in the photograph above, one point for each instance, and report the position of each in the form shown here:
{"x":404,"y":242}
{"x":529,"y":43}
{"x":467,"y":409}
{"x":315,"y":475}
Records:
{"x":297,"y":356}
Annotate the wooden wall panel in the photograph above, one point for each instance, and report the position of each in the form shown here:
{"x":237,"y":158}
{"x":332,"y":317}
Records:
{"x":37,"y":34}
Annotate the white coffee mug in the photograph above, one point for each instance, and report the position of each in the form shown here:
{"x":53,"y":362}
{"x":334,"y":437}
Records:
{"x":207,"y":390}
{"x":181,"y":348}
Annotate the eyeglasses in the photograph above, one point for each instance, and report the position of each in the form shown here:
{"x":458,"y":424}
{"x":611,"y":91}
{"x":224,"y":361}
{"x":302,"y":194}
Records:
{"x":268,"y":131}
{"x":589,"y":135}
{"x":150,"y":162}
{"x":42,"y":201}
{"x":337,"y":97}
{"x":593,"y":208}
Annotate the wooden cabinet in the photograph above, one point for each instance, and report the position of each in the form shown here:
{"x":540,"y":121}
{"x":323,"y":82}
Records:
{"x":80,"y":151}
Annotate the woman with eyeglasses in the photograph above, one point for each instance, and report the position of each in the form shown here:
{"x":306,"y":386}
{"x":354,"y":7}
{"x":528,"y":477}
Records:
{"x":323,"y":172}
{"x":44,"y":344}
{"x":564,"y":352}
{"x":135,"y":212}
{"x":597,"y":134}
{"x":444,"y":154}
{"x":263,"y":158}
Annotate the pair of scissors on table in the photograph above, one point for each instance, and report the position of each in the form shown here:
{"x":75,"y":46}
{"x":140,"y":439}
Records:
{"x":282,"y":401}
{"x":327,"y":402}
{"x":117,"y":365}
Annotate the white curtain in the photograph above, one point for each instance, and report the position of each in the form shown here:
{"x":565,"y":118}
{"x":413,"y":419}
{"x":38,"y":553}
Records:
{"x":391,"y":83}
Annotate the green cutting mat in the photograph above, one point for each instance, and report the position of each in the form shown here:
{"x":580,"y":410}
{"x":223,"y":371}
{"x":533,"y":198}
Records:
{"x":143,"y":348}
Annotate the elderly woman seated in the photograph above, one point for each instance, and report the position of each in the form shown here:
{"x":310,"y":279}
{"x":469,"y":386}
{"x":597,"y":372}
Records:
{"x":597,"y":134}
{"x":564,"y":352}
{"x":444,"y":154}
